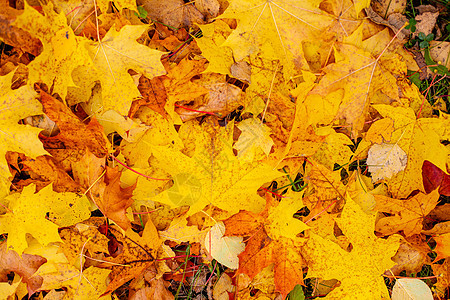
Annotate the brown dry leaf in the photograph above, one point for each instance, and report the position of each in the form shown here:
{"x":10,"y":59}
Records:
{"x":71,"y":129}
{"x":209,"y":8}
{"x":442,"y":272}
{"x":409,"y":258}
{"x":272,"y":241}
{"x":175,"y":13}
{"x":179,"y":86}
{"x":439,"y":228}
{"x":156,"y":291}
{"x":385,"y":7}
{"x":24,"y":266}
{"x":45,"y":170}
{"x":222,"y":98}
{"x":395,"y":21}
{"x":426,"y":22}
{"x":441,"y":213}
{"x":115,"y":199}
{"x":138,"y":252}
{"x":440,"y":52}
{"x":153,"y":96}
{"x":14,"y":36}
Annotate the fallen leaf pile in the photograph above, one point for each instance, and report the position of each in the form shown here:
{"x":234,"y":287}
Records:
{"x":216,"y":149}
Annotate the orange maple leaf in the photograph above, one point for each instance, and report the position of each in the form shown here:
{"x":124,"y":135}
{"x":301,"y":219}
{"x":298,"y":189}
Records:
{"x":272,"y":240}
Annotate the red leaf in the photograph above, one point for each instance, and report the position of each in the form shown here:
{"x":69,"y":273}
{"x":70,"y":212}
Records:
{"x":434,"y":177}
{"x":431,"y":175}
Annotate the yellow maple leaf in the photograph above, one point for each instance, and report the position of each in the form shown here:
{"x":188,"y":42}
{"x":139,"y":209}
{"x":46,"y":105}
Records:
{"x":160,"y":133}
{"x":16,"y":105}
{"x":213,"y":175}
{"x":179,"y":231}
{"x":254,"y":140}
{"x":421,"y":139}
{"x":117,"y":53}
{"x":359,"y":75}
{"x":62,"y":50}
{"x":325,"y":182}
{"x":214,"y":35}
{"x":27,"y":214}
{"x":86,"y":285}
{"x":360,"y":269}
{"x":334,"y":150}
{"x":268,"y":27}
{"x":224,"y":249}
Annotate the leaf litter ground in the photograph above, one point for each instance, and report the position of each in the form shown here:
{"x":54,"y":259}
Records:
{"x":243,"y":154}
